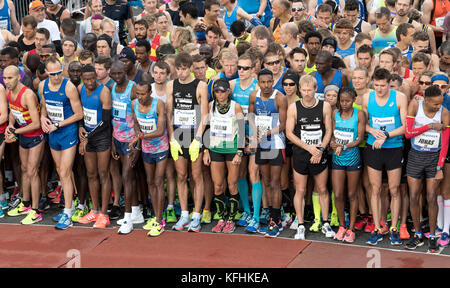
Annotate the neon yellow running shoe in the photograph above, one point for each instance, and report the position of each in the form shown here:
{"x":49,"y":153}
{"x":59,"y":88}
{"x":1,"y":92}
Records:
{"x":32,"y":217}
{"x":79,"y":213}
{"x":170,"y":216}
{"x":156,"y":229}
{"x":19,"y":210}
{"x":316,"y":226}
{"x":149,"y":224}
{"x":206,"y":217}
{"x":238,"y":216}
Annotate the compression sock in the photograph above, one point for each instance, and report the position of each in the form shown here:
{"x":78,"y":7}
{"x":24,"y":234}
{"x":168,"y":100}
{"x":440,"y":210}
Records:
{"x":334,"y":210}
{"x":316,"y":206}
{"x":243,"y":194}
{"x":441,"y":214}
{"x":257,"y":192}
{"x":446,"y":221}
{"x":219,"y":201}
{"x":233,"y":202}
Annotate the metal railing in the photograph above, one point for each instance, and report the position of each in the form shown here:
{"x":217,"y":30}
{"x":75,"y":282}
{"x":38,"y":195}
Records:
{"x":22,"y":6}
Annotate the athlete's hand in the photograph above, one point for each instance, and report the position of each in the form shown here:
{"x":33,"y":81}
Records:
{"x":194,"y":149}
{"x":439,"y":175}
{"x":378,"y":134}
{"x":114,"y":154}
{"x":315,"y":152}
{"x":378,"y":143}
{"x":315,"y":159}
{"x":236,"y":160}
{"x":45,"y":124}
{"x":437,"y":126}
{"x":339,"y":150}
{"x":175,"y":148}
{"x":52,"y":128}
{"x":418,"y":97}
{"x":8,"y":134}
{"x":82,"y":148}
{"x":133,"y":156}
{"x":206,"y":158}
{"x":81,"y":133}
{"x":133,"y":142}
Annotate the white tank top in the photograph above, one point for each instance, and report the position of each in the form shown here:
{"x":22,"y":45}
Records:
{"x":154,"y":95}
{"x":430,"y":141}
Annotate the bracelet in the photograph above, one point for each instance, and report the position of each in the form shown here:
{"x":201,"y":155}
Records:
{"x":141,"y":136}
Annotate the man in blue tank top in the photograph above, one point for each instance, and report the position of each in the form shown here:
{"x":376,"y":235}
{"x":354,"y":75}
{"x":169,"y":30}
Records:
{"x":95,"y":137}
{"x":325,"y":74}
{"x":8,"y":19}
{"x":386,"y":113}
{"x":60,"y":110}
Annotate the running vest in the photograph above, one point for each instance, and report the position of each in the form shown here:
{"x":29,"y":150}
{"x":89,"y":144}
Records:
{"x":241,"y":96}
{"x":154,"y":95}
{"x":347,"y":52}
{"x":92,"y":107}
{"x":24,"y":47}
{"x":380,"y":42}
{"x":122,"y":122}
{"x":186,"y":109}
{"x":58,"y":105}
{"x":21,"y":114}
{"x":249,"y":6}
{"x":174,"y":15}
{"x":266,"y":118}
{"x":276,"y":29}
{"x":386,"y":118}
{"x":148,"y":122}
{"x":230,"y":19}
{"x":235,"y":76}
{"x":223,"y":130}
{"x":429,"y":141}
{"x":346,"y":131}
{"x":337,"y":79}
{"x":55,"y":17}
{"x":309,"y":127}
{"x":440,"y":10}
{"x":5,"y":17}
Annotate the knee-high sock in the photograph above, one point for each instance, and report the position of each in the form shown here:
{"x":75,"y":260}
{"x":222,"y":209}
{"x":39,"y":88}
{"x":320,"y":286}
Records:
{"x":316,"y":206}
{"x":446,"y":216}
{"x":243,"y":193}
{"x":257,"y":192}
{"x":440,"y":217}
{"x":334,"y":210}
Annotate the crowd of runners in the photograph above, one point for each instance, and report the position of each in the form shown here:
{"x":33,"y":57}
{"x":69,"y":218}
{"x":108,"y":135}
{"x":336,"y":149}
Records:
{"x":253,"y":113}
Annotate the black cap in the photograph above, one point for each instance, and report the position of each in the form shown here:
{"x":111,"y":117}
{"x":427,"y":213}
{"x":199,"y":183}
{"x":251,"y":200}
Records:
{"x":330,"y":41}
{"x":221,"y":84}
{"x":127,"y":53}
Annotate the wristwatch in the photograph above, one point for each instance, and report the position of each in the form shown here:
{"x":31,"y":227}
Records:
{"x":56,"y":125}
{"x":438,"y":168}
{"x":198,"y":138}
{"x":240,"y":153}
{"x":345,"y":147}
{"x":321,"y":149}
{"x":387,"y":134}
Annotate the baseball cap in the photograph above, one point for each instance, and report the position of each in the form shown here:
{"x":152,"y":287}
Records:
{"x":127,"y":53}
{"x":36,"y":5}
{"x":221,"y":84}
{"x":52,"y":2}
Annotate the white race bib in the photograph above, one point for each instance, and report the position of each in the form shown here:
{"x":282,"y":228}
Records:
{"x":263,"y":123}
{"x":19,"y":117}
{"x":186,"y":118}
{"x":320,"y":96}
{"x":440,"y":21}
{"x":384,"y":123}
{"x":313,"y":138}
{"x":4,"y":24}
{"x":428,"y":140}
{"x":221,"y":126}
{"x":147,"y":125}
{"x":119,"y":110}
{"x":343,"y":137}
{"x":55,"y":113}
{"x":90,"y":117}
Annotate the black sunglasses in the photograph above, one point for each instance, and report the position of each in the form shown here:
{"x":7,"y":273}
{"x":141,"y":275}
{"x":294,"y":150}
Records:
{"x":276,"y":62}
{"x":289,"y":84}
{"x":298,"y":9}
{"x":245,"y":68}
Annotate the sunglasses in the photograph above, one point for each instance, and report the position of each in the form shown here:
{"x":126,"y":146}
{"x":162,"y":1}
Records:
{"x":289,"y":84}
{"x":276,"y":62}
{"x":441,"y":86}
{"x":424,"y":83}
{"x":245,"y":68}
{"x":45,"y":55}
{"x":299,"y":9}
{"x":54,"y":73}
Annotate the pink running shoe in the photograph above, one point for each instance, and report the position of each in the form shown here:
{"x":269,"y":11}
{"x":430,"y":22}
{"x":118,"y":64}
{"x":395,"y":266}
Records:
{"x":340,"y":234}
{"x":218,"y":228}
{"x":229,"y":227}
{"x":349,"y":236}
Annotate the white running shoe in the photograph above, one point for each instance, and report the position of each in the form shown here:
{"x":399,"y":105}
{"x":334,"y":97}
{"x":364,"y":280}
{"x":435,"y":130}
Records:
{"x":125,"y":228}
{"x":326,"y":229}
{"x":135,"y":219}
{"x":300,"y":235}
{"x":294,"y":224}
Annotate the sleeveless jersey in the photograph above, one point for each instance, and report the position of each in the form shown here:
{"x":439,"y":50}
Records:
{"x":337,"y":79}
{"x":5,"y":17}
{"x":22,"y":114}
{"x":223,"y":130}
{"x":346,"y":131}
{"x":380,"y":42}
{"x":122,"y":122}
{"x":154,"y":95}
{"x":386,"y":118}
{"x":349,"y":51}
{"x":241,"y":96}
{"x":186,"y":109}
{"x":266,"y":118}
{"x":440,"y":10}
{"x":429,"y":141}
{"x":92,"y":107}
{"x":230,"y":19}
{"x":148,"y":122}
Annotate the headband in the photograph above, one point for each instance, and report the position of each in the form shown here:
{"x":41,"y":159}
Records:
{"x":439,"y":77}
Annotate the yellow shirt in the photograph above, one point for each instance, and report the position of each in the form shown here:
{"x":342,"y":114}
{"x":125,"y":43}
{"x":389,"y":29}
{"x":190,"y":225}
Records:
{"x":309,"y":70}
{"x":209,"y":73}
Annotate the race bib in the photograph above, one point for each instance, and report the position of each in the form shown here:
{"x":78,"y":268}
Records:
{"x":19,"y":117}
{"x":90,"y":117}
{"x":221,"y":127}
{"x":343,"y":137}
{"x":55,"y":113}
{"x":428,"y":140}
{"x":245,"y":111}
{"x":184,"y":118}
{"x":313,"y":138}
{"x":119,"y":111}
{"x":384,"y":123}
{"x":440,"y":21}
{"x":320,"y":96}
{"x":147,"y":125}
{"x":263,"y":123}
{"x":4,"y":24}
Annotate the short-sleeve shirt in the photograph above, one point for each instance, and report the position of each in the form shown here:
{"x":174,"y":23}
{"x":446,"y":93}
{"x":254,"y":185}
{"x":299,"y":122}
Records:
{"x":120,"y":11}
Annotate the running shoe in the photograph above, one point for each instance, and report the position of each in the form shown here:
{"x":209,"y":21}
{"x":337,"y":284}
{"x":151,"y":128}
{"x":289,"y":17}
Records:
{"x":349,"y":236}
{"x":172,"y":218}
{"x":220,"y":225}
{"x":229,"y":227}
{"x":253,"y":226}
{"x":334,"y":220}
{"x":340,"y":234}
{"x":245,"y":219}
{"x":57,"y":191}
{"x":443,"y":242}
{"x":88,"y":218}
{"x":300,"y":235}
{"x":395,"y":237}
{"x":4,"y":205}
{"x":414,"y":242}
{"x":286,"y":220}
{"x":181,"y":224}
{"x":57,"y":199}
{"x":327,"y":231}
{"x":206,"y":217}
{"x":79,"y":213}
{"x":115,"y":213}
{"x":404,"y":234}
{"x":216,"y":216}
{"x":102,"y":221}
{"x":2,"y":214}
{"x":149,"y":223}
{"x":437,"y":233}
{"x":19,"y":210}
{"x":15,"y":193}
{"x":14,"y":203}
{"x":44,"y":204}
{"x":315,"y":227}
{"x":370,"y":226}
{"x":32,"y":217}
{"x":273,"y":231}
{"x":294,"y":224}
{"x":58,"y":217}
{"x":237,"y":216}
{"x":147,"y":212}
{"x":384,"y":228}
{"x":136,"y":219}
{"x":156,"y":229}
{"x":64,"y":222}
{"x":360,"y":223}
{"x":433,"y":247}
{"x":263,"y":229}
{"x":195,"y":226}
{"x":374,"y":238}
{"x":125,"y":228}
{"x":264,"y":217}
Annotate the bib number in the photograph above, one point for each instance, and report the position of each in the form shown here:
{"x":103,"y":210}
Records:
{"x":19,"y":117}
{"x":90,"y":117}
{"x":147,"y":125}
{"x":119,"y":111}
{"x":342,"y":137}
{"x":4,"y":24}
{"x":313,"y":138}
{"x":428,"y":140}
{"x":245,"y":111}
{"x":55,"y":113}
{"x":263,"y":123}
{"x":384,"y":124}
{"x":221,"y":127}
{"x":440,"y":21}
{"x":184,"y":118}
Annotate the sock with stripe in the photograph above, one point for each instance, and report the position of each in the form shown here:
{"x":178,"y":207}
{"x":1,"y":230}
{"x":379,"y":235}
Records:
{"x":233,"y":202}
{"x":219,"y":201}
{"x":243,"y":194}
{"x":257,"y":192}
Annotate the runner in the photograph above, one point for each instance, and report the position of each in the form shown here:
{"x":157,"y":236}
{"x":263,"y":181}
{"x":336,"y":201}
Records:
{"x":25,"y":114}
{"x":348,"y":133}
{"x":95,"y":137}
{"x":309,"y":128}
{"x":60,"y":110}
{"x":3,"y":124}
